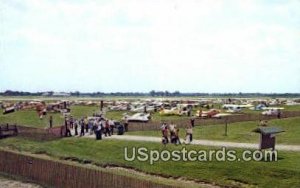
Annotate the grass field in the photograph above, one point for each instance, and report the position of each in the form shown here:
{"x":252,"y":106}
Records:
{"x":30,"y":118}
{"x":240,"y":132}
{"x":79,"y":111}
{"x":283,"y":173}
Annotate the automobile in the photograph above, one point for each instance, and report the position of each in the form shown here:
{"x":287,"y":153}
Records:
{"x":138,"y":117}
{"x":207,"y":114}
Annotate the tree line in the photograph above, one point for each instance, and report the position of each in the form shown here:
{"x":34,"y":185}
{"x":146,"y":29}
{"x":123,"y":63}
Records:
{"x":152,"y":93}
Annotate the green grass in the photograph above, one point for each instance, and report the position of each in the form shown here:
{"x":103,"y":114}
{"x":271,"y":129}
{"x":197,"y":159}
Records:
{"x":283,"y":173}
{"x":116,"y":115}
{"x":30,"y":118}
{"x":240,"y":132}
{"x":291,"y":108}
{"x":80,"y":111}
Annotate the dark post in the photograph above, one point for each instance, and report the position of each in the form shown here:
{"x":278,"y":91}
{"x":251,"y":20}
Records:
{"x":66,"y":126}
{"x":101,"y":105}
{"x":226,"y":121}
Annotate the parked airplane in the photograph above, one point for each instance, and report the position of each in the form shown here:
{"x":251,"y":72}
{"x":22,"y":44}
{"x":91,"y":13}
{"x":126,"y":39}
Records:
{"x":138,"y":117}
{"x":207,"y":114}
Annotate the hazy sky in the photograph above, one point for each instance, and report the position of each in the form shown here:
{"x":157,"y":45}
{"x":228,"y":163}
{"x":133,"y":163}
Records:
{"x":185,"y":45}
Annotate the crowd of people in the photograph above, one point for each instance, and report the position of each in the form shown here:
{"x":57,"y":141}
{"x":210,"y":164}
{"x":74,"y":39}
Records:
{"x":95,"y":125}
{"x":99,"y":126}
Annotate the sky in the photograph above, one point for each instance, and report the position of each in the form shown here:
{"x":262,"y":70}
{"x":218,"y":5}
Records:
{"x":143,"y":45}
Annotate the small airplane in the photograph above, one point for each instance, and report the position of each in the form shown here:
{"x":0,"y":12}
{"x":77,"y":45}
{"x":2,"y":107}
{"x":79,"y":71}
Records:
{"x":9,"y":110}
{"x":220,"y":115}
{"x":271,"y":112}
{"x":138,"y":117}
{"x":174,"y":111}
{"x":207,"y":114}
{"x":231,"y":106}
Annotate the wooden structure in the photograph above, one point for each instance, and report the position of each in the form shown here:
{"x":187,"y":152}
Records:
{"x":8,"y":130}
{"x":267,"y":136}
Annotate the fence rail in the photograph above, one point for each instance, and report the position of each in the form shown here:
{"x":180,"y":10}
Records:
{"x":58,"y":174}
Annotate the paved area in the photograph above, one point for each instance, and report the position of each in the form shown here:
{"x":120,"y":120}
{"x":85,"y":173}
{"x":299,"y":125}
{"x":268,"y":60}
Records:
{"x":200,"y":142}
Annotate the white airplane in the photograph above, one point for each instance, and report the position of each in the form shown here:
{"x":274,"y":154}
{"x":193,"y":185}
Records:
{"x":271,"y":112}
{"x":272,"y":108}
{"x":142,"y":109}
{"x":292,"y":103}
{"x":220,"y":115}
{"x":173,"y":111}
{"x":234,"y":110}
{"x":118,"y":107}
{"x":227,"y":106}
{"x":138,"y":117}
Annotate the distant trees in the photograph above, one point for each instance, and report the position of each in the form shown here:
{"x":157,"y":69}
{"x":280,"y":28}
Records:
{"x":152,"y":93}
{"x":18,"y":93}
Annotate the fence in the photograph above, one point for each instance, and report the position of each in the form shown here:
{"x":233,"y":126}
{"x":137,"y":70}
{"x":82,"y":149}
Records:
{"x":57,"y":174}
{"x":181,"y":123}
{"x":40,"y":134}
{"x":8,"y":130}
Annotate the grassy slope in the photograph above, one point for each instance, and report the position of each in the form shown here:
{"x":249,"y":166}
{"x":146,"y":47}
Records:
{"x":241,"y":132}
{"x":30,"y":118}
{"x":284,"y":173}
{"x":81,"y":111}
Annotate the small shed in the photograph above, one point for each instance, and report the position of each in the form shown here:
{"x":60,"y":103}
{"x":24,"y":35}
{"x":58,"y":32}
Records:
{"x":267,"y":136}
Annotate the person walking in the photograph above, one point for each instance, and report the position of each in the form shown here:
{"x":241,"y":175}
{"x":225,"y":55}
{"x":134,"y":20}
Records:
{"x":177,"y":140}
{"x":68,"y":130}
{"x":107,"y":132}
{"x":111,"y":126}
{"x":98,"y":130}
{"x":76,"y":127}
{"x":90,"y":124}
{"x":189,"y":135}
{"x":193,"y":121}
{"x":165,"y":139}
{"x":71,"y":122}
{"x":86,"y":124}
{"x":81,"y":127}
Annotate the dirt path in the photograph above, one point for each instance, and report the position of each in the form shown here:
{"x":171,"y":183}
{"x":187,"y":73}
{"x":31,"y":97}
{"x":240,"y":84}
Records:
{"x":201,"y":142}
{"x":11,"y":183}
